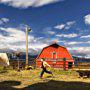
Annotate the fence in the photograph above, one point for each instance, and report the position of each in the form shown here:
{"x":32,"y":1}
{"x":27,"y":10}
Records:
{"x":14,"y":63}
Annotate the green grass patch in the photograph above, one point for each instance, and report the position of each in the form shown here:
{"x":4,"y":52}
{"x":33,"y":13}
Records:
{"x":29,"y":80}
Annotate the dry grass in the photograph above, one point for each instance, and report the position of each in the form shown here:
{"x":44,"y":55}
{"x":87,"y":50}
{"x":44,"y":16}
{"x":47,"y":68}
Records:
{"x":29,"y":80}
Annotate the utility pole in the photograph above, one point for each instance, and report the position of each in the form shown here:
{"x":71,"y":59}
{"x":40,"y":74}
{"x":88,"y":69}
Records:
{"x":27,"y":30}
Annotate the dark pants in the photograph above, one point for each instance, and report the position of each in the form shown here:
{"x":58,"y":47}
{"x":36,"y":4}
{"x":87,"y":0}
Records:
{"x":44,"y":70}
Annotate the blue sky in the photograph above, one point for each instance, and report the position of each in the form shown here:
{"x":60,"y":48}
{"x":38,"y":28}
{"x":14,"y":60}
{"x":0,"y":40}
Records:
{"x":65,"y":21}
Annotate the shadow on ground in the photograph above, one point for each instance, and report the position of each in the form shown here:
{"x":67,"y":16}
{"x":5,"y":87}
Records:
{"x":3,"y":71}
{"x":8,"y":85}
{"x":50,"y":85}
{"x":59,"y":85}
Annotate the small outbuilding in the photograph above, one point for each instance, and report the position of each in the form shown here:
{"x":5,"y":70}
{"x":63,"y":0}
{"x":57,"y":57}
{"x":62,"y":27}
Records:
{"x":57,"y":56}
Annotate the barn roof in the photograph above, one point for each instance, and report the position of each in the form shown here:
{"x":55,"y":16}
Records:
{"x":55,"y":45}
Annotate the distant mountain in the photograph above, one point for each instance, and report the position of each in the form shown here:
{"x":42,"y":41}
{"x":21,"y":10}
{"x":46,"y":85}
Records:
{"x":5,"y":50}
{"x":31,"y":51}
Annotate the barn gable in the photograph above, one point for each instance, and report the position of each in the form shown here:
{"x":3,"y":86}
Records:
{"x":61,"y":51}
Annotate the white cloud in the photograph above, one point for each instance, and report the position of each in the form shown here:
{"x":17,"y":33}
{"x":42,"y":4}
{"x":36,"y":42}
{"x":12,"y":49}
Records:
{"x":51,"y":32}
{"x":37,"y":46}
{"x":67,"y":35}
{"x":87,"y":19}
{"x":61,"y":26}
{"x":27,"y":3}
{"x":15,"y":35}
{"x":16,"y":40}
{"x":65,"y":26}
{"x":76,"y":49}
{"x":48,"y":31}
{"x":83,"y":51}
{"x":59,"y":35}
{"x":87,"y":36}
{"x":3,"y":20}
{"x":88,"y":42}
{"x":70,"y":23}
{"x":73,"y":43}
{"x":71,"y":35}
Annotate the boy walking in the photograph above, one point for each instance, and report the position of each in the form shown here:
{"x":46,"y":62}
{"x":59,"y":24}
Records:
{"x":43,"y":66}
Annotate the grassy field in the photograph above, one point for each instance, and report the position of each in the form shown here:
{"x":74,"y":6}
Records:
{"x":29,"y":80}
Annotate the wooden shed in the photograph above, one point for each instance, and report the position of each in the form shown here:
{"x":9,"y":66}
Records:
{"x":57,"y":56}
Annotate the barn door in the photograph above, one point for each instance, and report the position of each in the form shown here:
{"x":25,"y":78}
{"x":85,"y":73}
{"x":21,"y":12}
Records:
{"x":70,"y":64}
{"x":54,"y":55}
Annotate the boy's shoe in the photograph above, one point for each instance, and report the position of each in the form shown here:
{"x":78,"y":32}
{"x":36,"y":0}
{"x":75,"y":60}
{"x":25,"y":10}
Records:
{"x":40,"y":77}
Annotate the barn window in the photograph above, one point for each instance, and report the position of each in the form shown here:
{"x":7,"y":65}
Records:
{"x":54,"y":52}
{"x":54,"y":55}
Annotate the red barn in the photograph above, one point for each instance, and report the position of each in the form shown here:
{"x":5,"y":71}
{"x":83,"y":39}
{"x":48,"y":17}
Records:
{"x":57,"y":56}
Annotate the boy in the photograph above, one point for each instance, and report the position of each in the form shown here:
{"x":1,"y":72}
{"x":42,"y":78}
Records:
{"x":43,"y":66}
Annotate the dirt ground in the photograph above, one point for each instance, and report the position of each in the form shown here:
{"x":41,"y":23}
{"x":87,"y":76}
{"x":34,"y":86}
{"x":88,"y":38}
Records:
{"x":29,"y":80}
